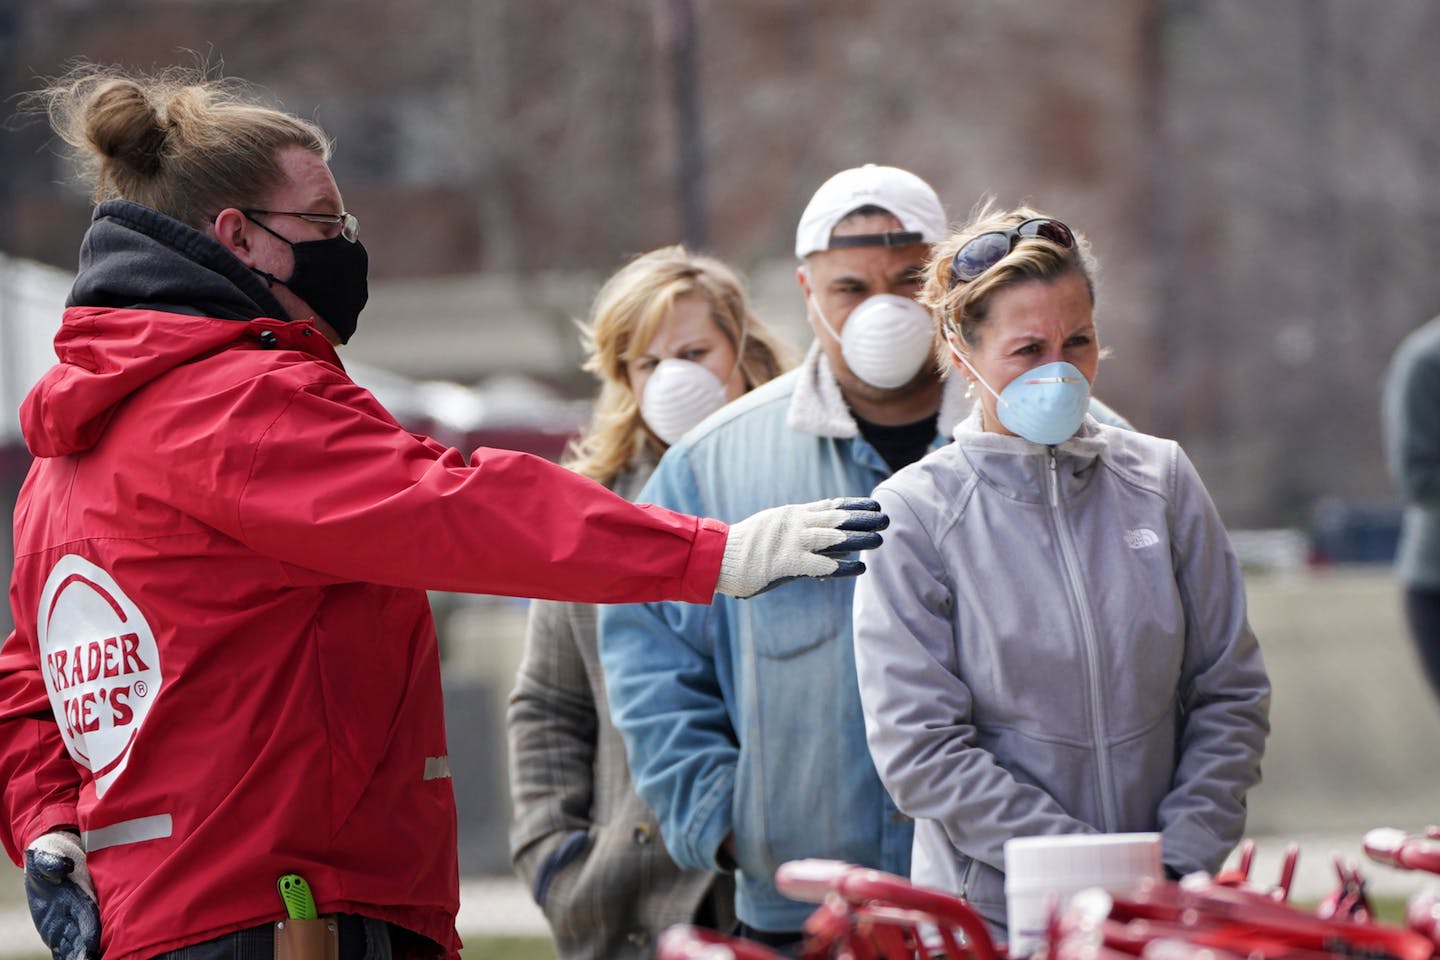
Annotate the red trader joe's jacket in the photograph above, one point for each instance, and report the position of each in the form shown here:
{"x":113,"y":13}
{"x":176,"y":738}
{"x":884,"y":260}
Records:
{"x":224,"y":667}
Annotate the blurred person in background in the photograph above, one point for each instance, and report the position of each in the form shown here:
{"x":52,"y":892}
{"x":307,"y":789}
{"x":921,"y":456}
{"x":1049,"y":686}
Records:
{"x":743,"y":725}
{"x":1053,"y":638}
{"x":224,"y":667}
{"x":671,"y":338}
{"x":1411,"y":420}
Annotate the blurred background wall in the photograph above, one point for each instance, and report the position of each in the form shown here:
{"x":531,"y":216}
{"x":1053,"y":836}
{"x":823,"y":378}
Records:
{"x":1259,"y":181}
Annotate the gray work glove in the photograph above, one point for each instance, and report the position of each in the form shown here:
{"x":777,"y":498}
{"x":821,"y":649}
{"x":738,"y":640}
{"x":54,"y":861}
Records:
{"x":781,"y":544}
{"x":61,"y":896}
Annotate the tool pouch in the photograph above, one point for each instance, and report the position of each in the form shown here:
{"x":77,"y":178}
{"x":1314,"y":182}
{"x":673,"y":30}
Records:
{"x":317,"y":939}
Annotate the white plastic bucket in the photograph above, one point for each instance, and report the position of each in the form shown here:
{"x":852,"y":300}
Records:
{"x":1037,"y":868}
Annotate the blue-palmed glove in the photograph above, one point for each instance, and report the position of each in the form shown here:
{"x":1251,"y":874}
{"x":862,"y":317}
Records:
{"x":781,"y":544}
{"x":62,"y":898}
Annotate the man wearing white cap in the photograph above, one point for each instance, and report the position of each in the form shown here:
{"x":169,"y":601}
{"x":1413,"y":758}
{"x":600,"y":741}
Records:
{"x":742,"y":722}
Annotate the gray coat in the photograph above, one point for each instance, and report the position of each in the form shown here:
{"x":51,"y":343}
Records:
{"x":587,"y":846}
{"x":1411,"y":408}
{"x":1054,"y":640}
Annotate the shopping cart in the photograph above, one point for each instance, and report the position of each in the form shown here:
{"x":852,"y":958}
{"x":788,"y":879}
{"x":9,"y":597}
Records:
{"x":863,"y":914}
{"x":1229,"y":917}
{"x":1348,"y":900}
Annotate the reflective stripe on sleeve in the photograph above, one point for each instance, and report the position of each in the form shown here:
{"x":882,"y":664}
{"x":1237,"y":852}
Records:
{"x":127,"y":831}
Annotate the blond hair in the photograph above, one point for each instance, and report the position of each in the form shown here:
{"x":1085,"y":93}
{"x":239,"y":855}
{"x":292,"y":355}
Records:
{"x":961,"y":307}
{"x":624,"y":319}
{"x":179,"y":142}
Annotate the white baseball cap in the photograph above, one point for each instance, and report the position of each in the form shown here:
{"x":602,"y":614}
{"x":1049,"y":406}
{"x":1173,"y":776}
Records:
{"x":911,"y":200}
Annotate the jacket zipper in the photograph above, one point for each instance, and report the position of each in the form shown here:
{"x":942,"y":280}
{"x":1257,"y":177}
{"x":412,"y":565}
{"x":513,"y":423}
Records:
{"x":1087,"y":636}
{"x":968,"y":877}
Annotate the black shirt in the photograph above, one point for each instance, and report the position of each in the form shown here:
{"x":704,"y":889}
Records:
{"x":902,"y":445}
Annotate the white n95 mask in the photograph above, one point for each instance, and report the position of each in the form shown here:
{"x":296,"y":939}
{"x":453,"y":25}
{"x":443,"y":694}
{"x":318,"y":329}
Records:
{"x":678,"y":395}
{"x":887,"y":339}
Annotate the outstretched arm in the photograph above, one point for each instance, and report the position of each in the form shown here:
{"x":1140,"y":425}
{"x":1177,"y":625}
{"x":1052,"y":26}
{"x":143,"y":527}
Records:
{"x":380,"y":505}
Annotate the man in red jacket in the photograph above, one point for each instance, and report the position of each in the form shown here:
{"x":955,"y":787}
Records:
{"x":224,"y":667}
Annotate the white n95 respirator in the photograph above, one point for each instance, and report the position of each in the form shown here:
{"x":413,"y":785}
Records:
{"x":886,"y":340}
{"x":678,"y":395}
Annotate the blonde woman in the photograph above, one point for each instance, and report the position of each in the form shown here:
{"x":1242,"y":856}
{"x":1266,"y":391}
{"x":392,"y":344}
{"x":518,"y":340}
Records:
{"x":671,"y":339}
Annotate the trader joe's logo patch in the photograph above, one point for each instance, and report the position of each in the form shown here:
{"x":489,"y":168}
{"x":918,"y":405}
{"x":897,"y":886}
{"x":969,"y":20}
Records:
{"x":101,"y":665}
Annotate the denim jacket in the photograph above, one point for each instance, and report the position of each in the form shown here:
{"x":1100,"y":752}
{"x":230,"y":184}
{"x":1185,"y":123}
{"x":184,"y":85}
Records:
{"x":745,"y":715}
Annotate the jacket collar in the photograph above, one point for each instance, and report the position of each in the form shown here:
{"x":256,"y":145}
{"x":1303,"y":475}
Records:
{"x":136,"y":256}
{"x":817,"y":407}
{"x":1017,"y":467}
{"x":151,"y":294}
{"x":1087,"y":443}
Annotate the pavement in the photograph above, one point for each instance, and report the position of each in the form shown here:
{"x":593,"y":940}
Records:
{"x":1354,"y":729}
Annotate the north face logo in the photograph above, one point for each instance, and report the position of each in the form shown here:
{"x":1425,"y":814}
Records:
{"x":1141,"y":537}
{"x":100,"y":662}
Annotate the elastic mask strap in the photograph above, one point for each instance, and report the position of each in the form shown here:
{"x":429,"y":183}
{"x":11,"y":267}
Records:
{"x":825,"y":323}
{"x":270,"y":278}
{"x":961,"y":357}
{"x":287,"y":240}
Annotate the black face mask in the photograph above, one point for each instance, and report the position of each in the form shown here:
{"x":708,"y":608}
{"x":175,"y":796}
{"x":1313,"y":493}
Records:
{"x":330,"y":275}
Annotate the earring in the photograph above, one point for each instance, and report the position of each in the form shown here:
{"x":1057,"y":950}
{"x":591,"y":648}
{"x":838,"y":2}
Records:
{"x":970,"y":390}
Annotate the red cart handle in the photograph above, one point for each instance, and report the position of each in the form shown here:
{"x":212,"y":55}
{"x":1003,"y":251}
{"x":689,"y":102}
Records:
{"x":878,"y":894}
{"x":1397,"y":848}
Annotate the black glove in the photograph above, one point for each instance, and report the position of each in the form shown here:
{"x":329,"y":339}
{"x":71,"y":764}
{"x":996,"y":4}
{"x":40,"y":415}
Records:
{"x":62,"y":899}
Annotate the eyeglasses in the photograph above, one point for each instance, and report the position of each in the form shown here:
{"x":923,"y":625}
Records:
{"x":983,"y":252}
{"x":347,"y":222}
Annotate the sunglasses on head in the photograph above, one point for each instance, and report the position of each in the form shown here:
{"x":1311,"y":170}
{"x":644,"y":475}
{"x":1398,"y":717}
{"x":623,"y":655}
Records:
{"x":983,"y":252}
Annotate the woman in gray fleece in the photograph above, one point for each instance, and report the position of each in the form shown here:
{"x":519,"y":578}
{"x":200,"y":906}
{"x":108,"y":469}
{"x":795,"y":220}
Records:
{"x":1053,"y":637}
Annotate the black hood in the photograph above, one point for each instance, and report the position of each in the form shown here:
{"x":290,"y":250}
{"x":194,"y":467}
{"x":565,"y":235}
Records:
{"x":135,"y":256}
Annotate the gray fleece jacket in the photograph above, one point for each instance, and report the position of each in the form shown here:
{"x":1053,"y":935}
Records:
{"x":1054,"y":640}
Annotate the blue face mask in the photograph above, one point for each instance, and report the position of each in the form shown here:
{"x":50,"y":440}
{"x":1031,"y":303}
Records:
{"x":1044,"y":405}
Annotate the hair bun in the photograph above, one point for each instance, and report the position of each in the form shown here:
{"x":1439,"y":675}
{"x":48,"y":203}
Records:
{"x":124,"y":126}
{"x":177,"y":141}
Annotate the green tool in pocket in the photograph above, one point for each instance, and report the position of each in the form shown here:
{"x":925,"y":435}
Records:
{"x":299,"y":902}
